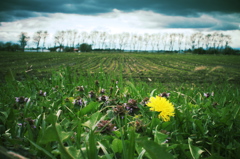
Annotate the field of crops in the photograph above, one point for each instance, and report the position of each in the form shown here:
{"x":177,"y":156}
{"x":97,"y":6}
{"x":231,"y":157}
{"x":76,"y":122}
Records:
{"x":162,"y":68}
{"x":120,"y":105}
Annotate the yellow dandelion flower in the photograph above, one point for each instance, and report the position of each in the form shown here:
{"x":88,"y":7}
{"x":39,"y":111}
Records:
{"x":162,"y":105}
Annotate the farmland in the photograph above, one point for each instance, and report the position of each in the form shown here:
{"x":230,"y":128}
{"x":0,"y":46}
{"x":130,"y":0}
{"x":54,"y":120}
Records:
{"x":96,"y":105}
{"x":162,"y":68}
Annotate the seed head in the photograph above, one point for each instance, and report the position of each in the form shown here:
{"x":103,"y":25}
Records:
{"x":208,"y":94}
{"x":131,"y":106}
{"x":144,"y":101}
{"x":21,"y":99}
{"x":164,"y":94}
{"x":103,"y":98}
{"x":102,"y":91}
{"x":92,"y":94}
{"x":80,"y":88}
{"x":97,"y":83}
{"x":41,"y":93}
{"x":119,"y":110}
{"x":105,"y":126}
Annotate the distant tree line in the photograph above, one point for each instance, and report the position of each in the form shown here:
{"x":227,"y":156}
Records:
{"x":9,"y":46}
{"x":72,"y":41}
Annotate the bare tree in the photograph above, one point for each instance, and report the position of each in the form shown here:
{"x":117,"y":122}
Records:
{"x":83,"y":37}
{"x":74,"y":37}
{"x":59,"y":39}
{"x":180,"y":40}
{"x":199,"y":39}
{"x":113,"y":41}
{"x":126,"y":40}
{"x":220,"y":41}
{"x":36,"y":38}
{"x":207,"y":40}
{"x":94,"y":37}
{"x":133,"y":41}
{"x":68,"y":37}
{"x":153,"y":41}
{"x":158,"y":41}
{"x":172,"y":39}
{"x":227,"y":40}
{"x":164,"y":41}
{"x":23,"y":39}
{"x":215,"y":37}
{"x":44,"y":36}
{"x":123,"y":39}
{"x":102,"y":38}
{"x":146,"y":38}
{"x":140,"y":42}
{"x":193,"y":39}
{"x":187,"y":42}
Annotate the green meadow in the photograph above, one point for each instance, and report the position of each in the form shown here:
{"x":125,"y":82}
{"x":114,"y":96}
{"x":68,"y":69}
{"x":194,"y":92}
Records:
{"x":95,"y":105}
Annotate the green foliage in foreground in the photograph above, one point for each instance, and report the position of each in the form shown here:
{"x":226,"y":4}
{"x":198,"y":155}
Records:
{"x":104,"y":116}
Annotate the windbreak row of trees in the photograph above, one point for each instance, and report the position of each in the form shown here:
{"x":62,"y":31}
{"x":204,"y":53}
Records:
{"x":71,"y":40}
{"x":142,"y":42}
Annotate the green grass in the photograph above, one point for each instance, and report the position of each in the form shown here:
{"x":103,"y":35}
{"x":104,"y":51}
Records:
{"x":52,"y":126}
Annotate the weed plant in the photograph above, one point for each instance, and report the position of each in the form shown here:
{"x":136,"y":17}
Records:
{"x":104,"y":115}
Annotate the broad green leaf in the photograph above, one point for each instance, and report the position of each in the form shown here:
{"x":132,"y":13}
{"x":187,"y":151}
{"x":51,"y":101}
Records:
{"x":52,"y":118}
{"x":92,"y":121}
{"x":73,"y":151}
{"x":160,"y":137}
{"x":154,"y":150}
{"x":49,"y":135}
{"x":92,"y":106}
{"x":117,"y":145}
{"x":195,"y":151}
{"x":62,"y":134}
{"x":54,"y":133}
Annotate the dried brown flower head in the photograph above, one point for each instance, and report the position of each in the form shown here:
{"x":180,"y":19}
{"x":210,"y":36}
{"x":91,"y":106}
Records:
{"x":105,"y":126}
{"x":120,"y":110}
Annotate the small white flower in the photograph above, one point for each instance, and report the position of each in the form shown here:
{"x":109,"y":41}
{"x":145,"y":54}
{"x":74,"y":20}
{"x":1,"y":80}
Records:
{"x":17,"y":99}
{"x":27,"y":100}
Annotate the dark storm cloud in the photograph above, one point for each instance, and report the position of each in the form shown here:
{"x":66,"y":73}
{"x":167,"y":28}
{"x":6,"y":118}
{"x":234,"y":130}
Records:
{"x":176,"y":7}
{"x":11,"y":10}
{"x":210,"y":22}
{"x":16,"y":14}
{"x":170,"y":7}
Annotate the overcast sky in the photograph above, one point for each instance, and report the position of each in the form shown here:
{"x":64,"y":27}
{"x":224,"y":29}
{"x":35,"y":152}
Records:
{"x":116,"y":16}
